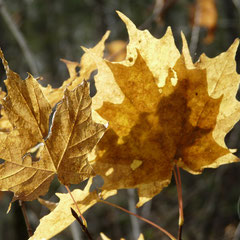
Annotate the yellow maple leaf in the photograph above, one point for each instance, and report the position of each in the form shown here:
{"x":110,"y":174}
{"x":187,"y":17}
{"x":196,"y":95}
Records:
{"x":63,"y":145}
{"x":163,"y":110}
{"x":61,"y":217}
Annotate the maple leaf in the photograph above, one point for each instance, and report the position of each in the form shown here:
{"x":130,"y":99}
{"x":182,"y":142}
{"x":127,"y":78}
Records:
{"x":63,"y":147}
{"x":61,"y":216}
{"x":164,"y":110}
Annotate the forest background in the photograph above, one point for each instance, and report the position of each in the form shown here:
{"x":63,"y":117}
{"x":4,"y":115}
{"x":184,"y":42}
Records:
{"x":54,"y":30}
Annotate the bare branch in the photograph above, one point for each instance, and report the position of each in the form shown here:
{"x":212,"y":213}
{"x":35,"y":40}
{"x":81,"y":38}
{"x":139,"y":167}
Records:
{"x":132,"y":207}
{"x":195,"y":31}
{"x":19,"y":38}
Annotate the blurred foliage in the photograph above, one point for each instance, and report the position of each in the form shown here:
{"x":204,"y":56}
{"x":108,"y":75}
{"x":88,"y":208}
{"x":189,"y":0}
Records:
{"x":55,"y":29}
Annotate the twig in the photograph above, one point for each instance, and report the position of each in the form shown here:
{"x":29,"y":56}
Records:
{"x":159,"y":10}
{"x":24,"y":212}
{"x":177,"y":177}
{"x":83,"y":219}
{"x":19,"y":38}
{"x":131,"y":204}
{"x":84,"y":228}
{"x":195,"y":31}
{"x":141,"y":218}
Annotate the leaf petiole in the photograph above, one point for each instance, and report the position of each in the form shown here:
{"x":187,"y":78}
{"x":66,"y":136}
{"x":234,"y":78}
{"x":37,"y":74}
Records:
{"x":141,"y":218}
{"x":80,"y":214}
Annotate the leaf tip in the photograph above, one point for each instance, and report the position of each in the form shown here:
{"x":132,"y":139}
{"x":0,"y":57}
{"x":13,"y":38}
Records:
{"x":106,"y":35}
{"x":186,"y":52}
{"x":125,"y":19}
{"x":169,"y":30}
{"x":4,"y":61}
{"x":86,"y":50}
{"x":235,"y":45}
{"x":183,"y":37}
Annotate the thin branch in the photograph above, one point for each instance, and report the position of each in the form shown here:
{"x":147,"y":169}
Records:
{"x":84,"y":228}
{"x":157,"y":10}
{"x":132,"y":207}
{"x":141,"y":218}
{"x":195,"y":31}
{"x":160,"y":8}
{"x":19,"y":38}
{"x":24,"y":212}
{"x":180,"y":232}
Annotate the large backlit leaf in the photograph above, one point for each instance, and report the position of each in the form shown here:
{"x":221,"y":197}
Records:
{"x":161,"y":116}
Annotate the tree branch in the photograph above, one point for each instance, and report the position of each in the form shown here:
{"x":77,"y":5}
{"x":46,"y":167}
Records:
{"x":19,"y":38}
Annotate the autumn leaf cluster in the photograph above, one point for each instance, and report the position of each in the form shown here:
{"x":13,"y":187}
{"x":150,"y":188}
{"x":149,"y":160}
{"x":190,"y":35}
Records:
{"x":152,"y":111}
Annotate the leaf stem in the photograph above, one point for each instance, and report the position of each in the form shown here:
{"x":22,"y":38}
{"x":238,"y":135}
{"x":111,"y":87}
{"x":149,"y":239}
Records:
{"x":24,"y":212}
{"x":141,"y":218}
{"x":80,"y":214}
{"x":178,"y":181}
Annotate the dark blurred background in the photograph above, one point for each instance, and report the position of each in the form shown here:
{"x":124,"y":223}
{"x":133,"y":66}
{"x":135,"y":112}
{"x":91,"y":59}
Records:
{"x":35,"y":34}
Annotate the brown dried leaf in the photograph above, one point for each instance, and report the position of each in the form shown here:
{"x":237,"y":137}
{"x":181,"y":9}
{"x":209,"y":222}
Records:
{"x":63,"y":148}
